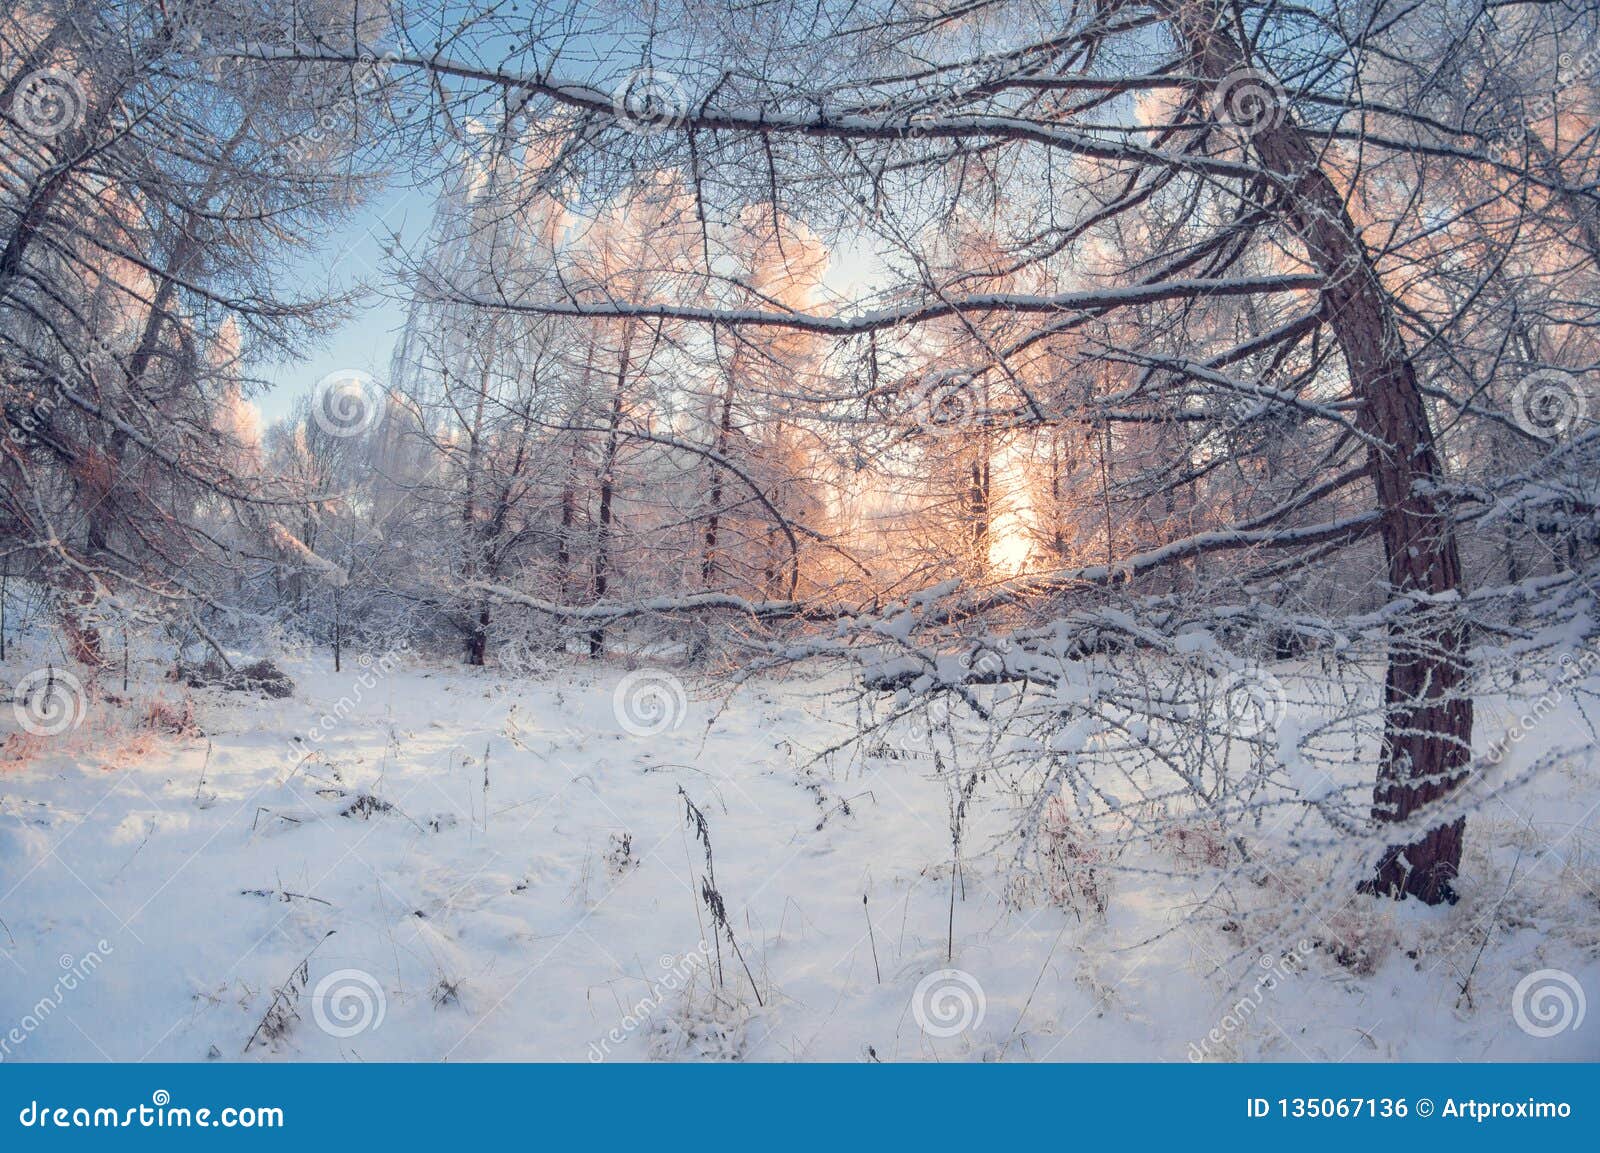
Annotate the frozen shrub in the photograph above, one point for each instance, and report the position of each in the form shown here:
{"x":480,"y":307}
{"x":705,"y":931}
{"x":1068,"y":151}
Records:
{"x":1197,"y":845}
{"x":172,"y":717}
{"x":261,"y":676}
{"x":1074,"y":868}
{"x":1358,"y":939}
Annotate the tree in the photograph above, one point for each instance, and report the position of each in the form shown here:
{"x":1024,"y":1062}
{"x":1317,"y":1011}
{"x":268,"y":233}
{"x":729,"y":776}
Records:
{"x":1227,"y":254}
{"x":147,"y":191}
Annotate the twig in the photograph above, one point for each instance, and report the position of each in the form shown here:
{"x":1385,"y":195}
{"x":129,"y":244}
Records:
{"x":201,"y":783}
{"x":280,"y":1004}
{"x":1466,"y":982}
{"x":871,"y":937}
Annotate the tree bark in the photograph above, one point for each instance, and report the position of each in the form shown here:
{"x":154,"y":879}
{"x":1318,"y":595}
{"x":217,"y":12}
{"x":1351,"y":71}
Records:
{"x":602,"y":543}
{"x":1427,"y":731}
{"x":978,"y":507}
{"x":708,"y":562}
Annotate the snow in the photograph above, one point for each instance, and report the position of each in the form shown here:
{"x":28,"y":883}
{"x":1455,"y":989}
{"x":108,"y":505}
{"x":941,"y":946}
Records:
{"x":1306,"y":778}
{"x":500,"y":868}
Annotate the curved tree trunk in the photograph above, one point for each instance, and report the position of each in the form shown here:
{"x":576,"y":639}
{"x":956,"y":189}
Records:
{"x":1427,"y":713}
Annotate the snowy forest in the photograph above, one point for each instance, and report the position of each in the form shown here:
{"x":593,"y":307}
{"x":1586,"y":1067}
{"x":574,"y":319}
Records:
{"x":881,"y":530}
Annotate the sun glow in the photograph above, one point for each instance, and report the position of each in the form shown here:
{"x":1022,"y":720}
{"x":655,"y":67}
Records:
{"x":1010,"y":545}
{"x":1013,"y":531}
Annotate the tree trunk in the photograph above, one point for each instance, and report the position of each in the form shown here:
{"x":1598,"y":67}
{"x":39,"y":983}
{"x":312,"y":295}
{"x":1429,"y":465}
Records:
{"x":69,"y":152}
{"x":569,"y":496}
{"x":569,"y":511}
{"x":490,"y":537}
{"x":1427,"y":715}
{"x":602,"y":542}
{"x":478,"y":637}
{"x":602,"y":558}
{"x":978,"y":508}
{"x":83,"y":638}
{"x":708,"y":563}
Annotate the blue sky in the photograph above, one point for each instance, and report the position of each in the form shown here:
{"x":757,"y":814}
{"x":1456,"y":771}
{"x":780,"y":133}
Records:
{"x":593,"y":48}
{"x":353,"y":257}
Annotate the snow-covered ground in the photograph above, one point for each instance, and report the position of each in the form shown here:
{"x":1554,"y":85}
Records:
{"x":420,"y":863}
